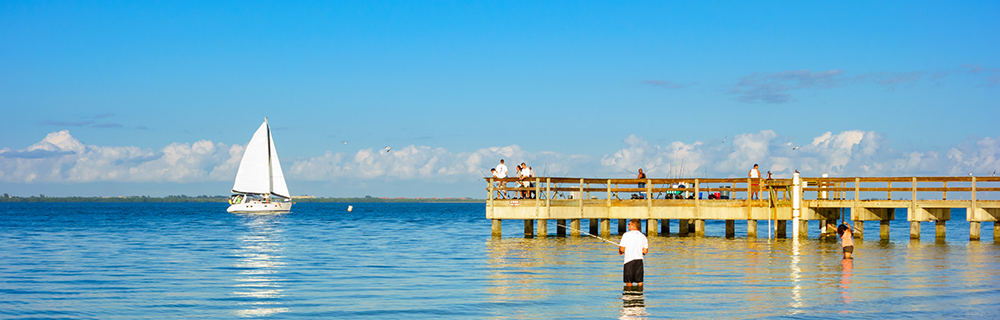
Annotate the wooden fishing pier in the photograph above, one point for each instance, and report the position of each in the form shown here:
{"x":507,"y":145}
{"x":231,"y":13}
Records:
{"x":693,"y":201}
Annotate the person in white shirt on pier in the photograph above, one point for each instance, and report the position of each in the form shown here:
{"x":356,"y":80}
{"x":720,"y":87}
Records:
{"x":502,"y":173}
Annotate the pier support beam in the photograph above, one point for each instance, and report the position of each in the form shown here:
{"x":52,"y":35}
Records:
{"x":574,"y":227}
{"x":699,"y":228}
{"x":529,"y":228}
{"x":543,"y":228}
{"x":682,"y":227}
{"x":593,"y":226}
{"x":651,"y":227}
{"x":914,"y":229}
{"x":974,"y":229}
{"x":730,"y":228}
{"x":622,"y":226}
{"x":939,"y":230}
{"x":883,"y":229}
{"x":495,"y":227}
{"x":803,"y":229}
{"x":859,"y":229}
{"x":690,"y":226}
{"x":605,"y":227}
{"x":665,"y":227}
{"x":560,"y":227}
{"x":781,"y":230}
{"x":751,"y":228}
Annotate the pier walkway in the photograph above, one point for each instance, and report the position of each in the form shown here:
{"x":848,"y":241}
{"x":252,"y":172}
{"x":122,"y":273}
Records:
{"x":693,"y":201}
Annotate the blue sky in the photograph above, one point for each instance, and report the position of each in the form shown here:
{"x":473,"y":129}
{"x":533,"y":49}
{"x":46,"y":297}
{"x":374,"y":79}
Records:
{"x":158,"y":98}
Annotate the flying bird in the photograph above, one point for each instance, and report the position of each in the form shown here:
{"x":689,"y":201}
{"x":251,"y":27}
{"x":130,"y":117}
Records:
{"x":795,"y":148}
{"x":724,"y":139}
{"x":387,"y":149}
{"x":345,"y":142}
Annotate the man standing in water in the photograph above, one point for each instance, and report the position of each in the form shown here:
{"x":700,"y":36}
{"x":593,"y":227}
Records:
{"x":846,"y":234}
{"x":633,"y":246}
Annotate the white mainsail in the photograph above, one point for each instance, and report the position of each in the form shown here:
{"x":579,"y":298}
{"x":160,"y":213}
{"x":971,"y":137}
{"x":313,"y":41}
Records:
{"x":260,"y":171}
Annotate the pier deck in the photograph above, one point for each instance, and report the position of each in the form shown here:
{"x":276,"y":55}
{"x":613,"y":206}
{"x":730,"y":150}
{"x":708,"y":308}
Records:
{"x":692,"y":201}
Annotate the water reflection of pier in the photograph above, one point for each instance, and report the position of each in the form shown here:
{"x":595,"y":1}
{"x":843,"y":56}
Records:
{"x":693,"y":201}
{"x":258,"y":285}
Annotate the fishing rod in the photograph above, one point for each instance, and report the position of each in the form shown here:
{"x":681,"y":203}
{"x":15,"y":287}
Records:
{"x":588,"y":233}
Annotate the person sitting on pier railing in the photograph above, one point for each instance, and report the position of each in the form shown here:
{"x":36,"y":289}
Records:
{"x":500,"y":195}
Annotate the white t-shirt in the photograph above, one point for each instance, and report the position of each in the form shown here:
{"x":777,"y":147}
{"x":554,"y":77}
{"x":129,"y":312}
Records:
{"x":502,"y":170}
{"x":754,"y":173}
{"x":633,"y":241}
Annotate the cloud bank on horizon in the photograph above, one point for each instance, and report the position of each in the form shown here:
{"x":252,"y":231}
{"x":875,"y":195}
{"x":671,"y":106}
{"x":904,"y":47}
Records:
{"x":61,"y":158}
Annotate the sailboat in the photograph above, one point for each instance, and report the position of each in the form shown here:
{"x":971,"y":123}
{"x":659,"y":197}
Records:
{"x":260,"y":184}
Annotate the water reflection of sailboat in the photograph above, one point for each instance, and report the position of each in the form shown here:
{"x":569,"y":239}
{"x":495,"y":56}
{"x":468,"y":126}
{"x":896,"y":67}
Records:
{"x":258,"y":283}
{"x":633,"y":303}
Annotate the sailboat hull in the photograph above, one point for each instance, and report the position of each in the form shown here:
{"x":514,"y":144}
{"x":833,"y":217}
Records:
{"x":260,"y":207}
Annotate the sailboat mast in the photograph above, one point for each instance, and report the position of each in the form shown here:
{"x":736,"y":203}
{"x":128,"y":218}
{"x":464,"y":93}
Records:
{"x":270,"y":174}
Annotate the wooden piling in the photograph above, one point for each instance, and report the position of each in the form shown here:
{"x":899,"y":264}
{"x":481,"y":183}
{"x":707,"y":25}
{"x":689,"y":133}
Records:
{"x":495,"y":227}
{"x":543,"y":228}
{"x":730,"y":228}
{"x":751,"y":228}
{"x":529,"y":228}
{"x":914,"y":229}
{"x":605,"y":227}
{"x":622,"y":226}
{"x":974,"y":229}
{"x":574,"y":227}
{"x":665,"y":226}
{"x":560,"y":227}
{"x":781,"y":229}
{"x":859,"y":229}
{"x":883,"y":229}
{"x":699,"y":228}
{"x":682,"y":228}
{"x":939,"y":229}
{"x":651,"y":227}
{"x":803,"y":229}
{"x":996,"y":231}
{"x":593,"y":226}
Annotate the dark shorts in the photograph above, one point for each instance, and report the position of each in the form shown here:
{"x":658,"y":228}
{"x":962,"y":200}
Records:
{"x":849,"y":249}
{"x":632,"y":271}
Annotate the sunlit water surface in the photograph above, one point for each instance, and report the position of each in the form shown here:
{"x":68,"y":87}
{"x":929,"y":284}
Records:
{"x":128,"y":261}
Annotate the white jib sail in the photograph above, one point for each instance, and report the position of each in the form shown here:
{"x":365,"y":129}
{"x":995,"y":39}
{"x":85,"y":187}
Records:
{"x":254,"y":174}
{"x":278,"y":186}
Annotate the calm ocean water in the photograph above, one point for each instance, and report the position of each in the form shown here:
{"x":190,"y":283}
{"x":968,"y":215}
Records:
{"x":129,"y":261}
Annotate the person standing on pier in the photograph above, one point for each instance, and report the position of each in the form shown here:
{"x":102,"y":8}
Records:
{"x":754,"y":182}
{"x":846,"y":234}
{"x":501,"y":174}
{"x":642,"y":185}
{"x":633,"y":246}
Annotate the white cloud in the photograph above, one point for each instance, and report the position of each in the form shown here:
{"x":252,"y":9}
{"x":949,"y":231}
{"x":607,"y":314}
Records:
{"x":60,"y":158}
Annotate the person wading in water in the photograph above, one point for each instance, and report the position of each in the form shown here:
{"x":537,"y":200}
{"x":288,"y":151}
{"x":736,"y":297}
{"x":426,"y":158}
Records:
{"x":633,"y":246}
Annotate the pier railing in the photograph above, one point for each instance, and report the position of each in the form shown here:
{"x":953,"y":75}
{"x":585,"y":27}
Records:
{"x":696,"y":199}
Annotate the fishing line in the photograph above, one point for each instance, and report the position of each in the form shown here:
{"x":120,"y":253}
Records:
{"x":588,"y":233}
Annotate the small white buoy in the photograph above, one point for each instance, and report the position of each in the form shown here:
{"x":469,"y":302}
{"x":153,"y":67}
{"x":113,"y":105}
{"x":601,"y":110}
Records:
{"x":350,"y":208}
